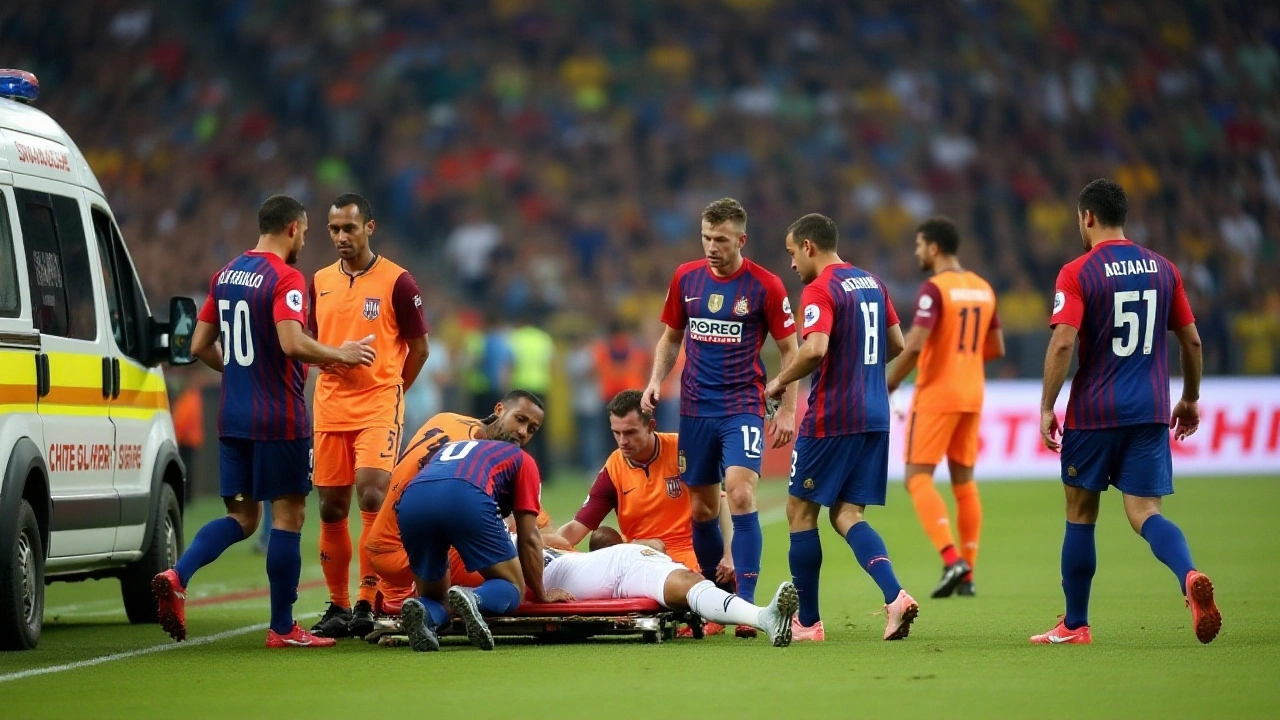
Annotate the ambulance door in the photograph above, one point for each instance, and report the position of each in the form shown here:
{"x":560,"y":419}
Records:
{"x":19,"y":342}
{"x":79,"y":438}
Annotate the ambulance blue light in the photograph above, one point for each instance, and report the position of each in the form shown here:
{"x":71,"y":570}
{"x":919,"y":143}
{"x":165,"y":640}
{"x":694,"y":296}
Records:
{"x":19,"y":85}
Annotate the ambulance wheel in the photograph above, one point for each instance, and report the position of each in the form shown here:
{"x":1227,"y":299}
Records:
{"x":651,"y":637}
{"x":22,"y":585}
{"x":162,"y":554}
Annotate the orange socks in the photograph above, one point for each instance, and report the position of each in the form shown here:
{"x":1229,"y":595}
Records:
{"x":335,"y":561}
{"x":969,"y":520}
{"x":368,"y":578}
{"x":932,"y":512}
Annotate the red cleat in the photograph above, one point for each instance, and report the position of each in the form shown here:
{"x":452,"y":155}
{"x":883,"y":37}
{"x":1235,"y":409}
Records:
{"x":1205,"y":618}
{"x":746,"y":632}
{"x":171,"y":603}
{"x":708,"y":628}
{"x":297,"y":637}
{"x":1060,"y":635}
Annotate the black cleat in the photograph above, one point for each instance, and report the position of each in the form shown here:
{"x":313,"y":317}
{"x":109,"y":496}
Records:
{"x":952,"y":576}
{"x":334,"y":624}
{"x":414,"y":620}
{"x":464,"y":603}
{"x":361,"y":623}
{"x":966,"y":589}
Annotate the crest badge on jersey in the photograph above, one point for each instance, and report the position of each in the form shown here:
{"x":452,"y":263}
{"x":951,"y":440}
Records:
{"x":741,"y":307}
{"x":715,"y":302}
{"x":371,"y":306}
{"x":674,"y":488}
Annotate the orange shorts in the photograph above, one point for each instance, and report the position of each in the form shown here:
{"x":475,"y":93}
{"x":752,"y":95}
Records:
{"x":338,"y":454}
{"x":932,"y":435}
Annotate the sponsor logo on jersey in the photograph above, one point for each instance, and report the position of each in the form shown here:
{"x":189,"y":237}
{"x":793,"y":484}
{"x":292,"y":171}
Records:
{"x":294,"y":300}
{"x":674,"y":488}
{"x":723,"y":332}
{"x":811,"y":315}
{"x":715,"y":302}
{"x":371,"y":306}
{"x":1059,"y":301}
{"x":926,"y":302}
{"x":786,"y":309}
{"x":741,"y":307}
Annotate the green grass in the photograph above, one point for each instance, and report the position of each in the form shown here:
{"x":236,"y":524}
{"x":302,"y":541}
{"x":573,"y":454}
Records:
{"x":965,"y":657}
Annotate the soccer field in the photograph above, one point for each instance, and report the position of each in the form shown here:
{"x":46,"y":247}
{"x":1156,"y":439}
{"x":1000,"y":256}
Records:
{"x":966,"y":657}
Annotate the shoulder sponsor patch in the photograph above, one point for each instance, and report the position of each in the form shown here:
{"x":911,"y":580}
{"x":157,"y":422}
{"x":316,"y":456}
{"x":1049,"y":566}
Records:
{"x":811,"y":314}
{"x":293,"y":299}
{"x":1059,"y":301}
{"x":926,"y":302}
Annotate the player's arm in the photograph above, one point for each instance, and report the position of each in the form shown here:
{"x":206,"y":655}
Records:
{"x":895,"y":342}
{"x":1068,"y":314}
{"x":807,"y":359}
{"x":601,"y":500}
{"x":414,"y":360}
{"x":300,"y":346}
{"x":994,"y":348}
{"x":667,"y":350}
{"x":913,"y":345}
{"x":406,"y":303}
{"x":206,"y":344}
{"x":529,"y":549}
{"x":782,"y":326}
{"x":1185,"y":419}
{"x":816,"y":331}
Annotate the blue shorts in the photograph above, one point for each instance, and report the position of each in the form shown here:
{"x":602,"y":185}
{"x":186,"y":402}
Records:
{"x":841,"y":468}
{"x":709,"y":445}
{"x":1136,"y":459}
{"x":263,"y":469}
{"x":438,"y":514}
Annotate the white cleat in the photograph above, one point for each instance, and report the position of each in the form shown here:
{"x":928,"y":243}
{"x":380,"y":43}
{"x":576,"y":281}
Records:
{"x":776,"y":618}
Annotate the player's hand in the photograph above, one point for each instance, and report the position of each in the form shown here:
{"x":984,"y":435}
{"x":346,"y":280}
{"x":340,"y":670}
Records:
{"x":358,"y":352}
{"x":1050,"y":431}
{"x":774,"y":390}
{"x":782,"y":428}
{"x":724,"y":571}
{"x":896,"y":405}
{"x":555,"y":595}
{"x":649,"y":401}
{"x":1185,"y":420}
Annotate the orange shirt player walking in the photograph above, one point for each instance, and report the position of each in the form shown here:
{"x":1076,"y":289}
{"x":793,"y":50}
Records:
{"x":954,"y":332}
{"x":358,"y":412}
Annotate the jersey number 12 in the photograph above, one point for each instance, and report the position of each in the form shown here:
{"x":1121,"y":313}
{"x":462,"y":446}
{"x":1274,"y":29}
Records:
{"x":1129,"y":319}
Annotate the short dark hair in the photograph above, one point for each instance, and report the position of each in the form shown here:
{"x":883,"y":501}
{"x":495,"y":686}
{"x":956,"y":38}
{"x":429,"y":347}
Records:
{"x":725,"y":210}
{"x":817,"y":229}
{"x":627,"y":402}
{"x":941,"y":231}
{"x":603,"y":537}
{"x":517,"y":394}
{"x":1107,"y":201}
{"x":362,"y":204}
{"x":276,"y":212}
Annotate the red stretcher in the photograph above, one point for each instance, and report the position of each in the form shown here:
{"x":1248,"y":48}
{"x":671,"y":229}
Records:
{"x":571,"y":622}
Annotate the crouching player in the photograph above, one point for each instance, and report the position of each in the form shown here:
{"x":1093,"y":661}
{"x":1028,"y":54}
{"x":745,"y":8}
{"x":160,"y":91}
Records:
{"x":458,"y":500}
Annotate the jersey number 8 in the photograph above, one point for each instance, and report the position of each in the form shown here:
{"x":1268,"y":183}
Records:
{"x":237,"y":337}
{"x":870,"y":333}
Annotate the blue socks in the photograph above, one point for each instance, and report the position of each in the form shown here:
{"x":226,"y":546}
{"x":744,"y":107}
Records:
{"x":215,"y":537}
{"x":1079,"y":562}
{"x":708,"y":546}
{"x":284,"y":567}
{"x":747,"y":546}
{"x":1169,"y":546}
{"x":874,"y":558}
{"x":437,"y":613}
{"x":805,"y":558}
{"x":497,"y":597}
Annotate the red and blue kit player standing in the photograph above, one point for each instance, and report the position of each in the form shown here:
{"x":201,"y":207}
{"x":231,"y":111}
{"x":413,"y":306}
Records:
{"x":1120,"y":300}
{"x":722,"y":307}
{"x":250,"y":330}
{"x":458,"y":500}
{"x":841,"y":458}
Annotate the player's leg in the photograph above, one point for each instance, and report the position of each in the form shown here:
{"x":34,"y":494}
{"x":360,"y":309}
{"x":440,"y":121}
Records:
{"x":375,"y":452}
{"x":422,"y":514}
{"x":683,"y":589}
{"x":808,"y":472}
{"x":334,"y":478}
{"x":742,"y":448}
{"x":699,"y":450}
{"x":484,"y":545}
{"x":928,"y":435}
{"x":1145,"y":476}
{"x":962,"y":455}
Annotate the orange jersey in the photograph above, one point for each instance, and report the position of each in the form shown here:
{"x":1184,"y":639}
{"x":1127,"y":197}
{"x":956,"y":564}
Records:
{"x":959,"y":308}
{"x":649,"y":499}
{"x":383,"y":301}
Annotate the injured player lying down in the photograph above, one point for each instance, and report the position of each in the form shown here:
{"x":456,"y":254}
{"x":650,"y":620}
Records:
{"x":614,"y":569}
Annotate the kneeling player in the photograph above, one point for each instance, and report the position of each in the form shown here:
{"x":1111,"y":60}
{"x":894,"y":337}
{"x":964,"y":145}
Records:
{"x":457,"y":501}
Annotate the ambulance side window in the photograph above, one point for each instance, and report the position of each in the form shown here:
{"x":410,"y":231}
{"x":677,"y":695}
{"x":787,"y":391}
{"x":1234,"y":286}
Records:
{"x":10,"y":303}
{"x":57,"y":265}
{"x":123,"y":296}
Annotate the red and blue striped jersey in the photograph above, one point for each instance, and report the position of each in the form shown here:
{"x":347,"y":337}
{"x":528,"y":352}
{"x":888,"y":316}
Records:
{"x":725,"y":320}
{"x":262,"y":388}
{"x":504,"y":471}
{"x":1123,"y":299}
{"x":849,"y":393}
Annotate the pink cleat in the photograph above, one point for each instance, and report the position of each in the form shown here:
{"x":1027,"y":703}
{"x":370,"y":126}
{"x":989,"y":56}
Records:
{"x":171,"y":603}
{"x":811,"y":633}
{"x":900,"y":614}
{"x":1205,"y":618}
{"x":1060,"y":635}
{"x":297,"y":637}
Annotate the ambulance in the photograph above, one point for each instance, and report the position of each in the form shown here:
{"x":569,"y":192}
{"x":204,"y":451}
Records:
{"x":91,"y":485}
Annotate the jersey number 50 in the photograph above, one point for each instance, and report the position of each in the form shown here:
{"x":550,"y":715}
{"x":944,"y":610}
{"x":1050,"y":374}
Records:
{"x":1129,"y":319}
{"x":237,"y":335}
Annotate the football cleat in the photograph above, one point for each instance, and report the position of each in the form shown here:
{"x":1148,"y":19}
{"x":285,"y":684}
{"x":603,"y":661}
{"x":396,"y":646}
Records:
{"x":171,"y":603}
{"x":416,"y":624}
{"x":297,"y":637}
{"x":776,"y":618}
{"x":334,"y":623}
{"x":802,"y":633}
{"x":966,"y":589}
{"x":952,"y":578}
{"x":746,"y":632}
{"x":900,"y":614}
{"x":361,"y":623}
{"x":708,"y":628}
{"x":1060,"y":635}
{"x":464,"y":604}
{"x":1205,"y":618}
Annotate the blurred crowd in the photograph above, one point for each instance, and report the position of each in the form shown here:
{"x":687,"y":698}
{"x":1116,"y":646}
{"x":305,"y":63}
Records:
{"x":543,"y":163}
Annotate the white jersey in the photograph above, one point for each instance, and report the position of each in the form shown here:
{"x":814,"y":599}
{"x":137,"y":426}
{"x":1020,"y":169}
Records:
{"x":620,"y":571}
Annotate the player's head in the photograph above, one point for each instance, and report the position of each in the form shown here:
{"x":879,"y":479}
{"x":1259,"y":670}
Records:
{"x":935,"y":238}
{"x":604,"y":537}
{"x":516,"y":418}
{"x":724,"y":232}
{"x":1102,"y":210}
{"x":350,"y":225}
{"x":281,"y":216}
{"x":633,"y":428}
{"x":809,"y":238}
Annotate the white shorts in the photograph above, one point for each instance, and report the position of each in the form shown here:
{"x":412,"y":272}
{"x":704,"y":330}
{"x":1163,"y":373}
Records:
{"x":620,"y":571}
